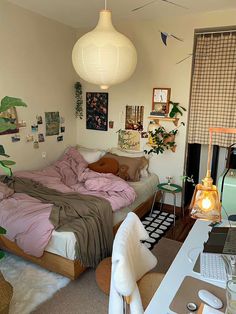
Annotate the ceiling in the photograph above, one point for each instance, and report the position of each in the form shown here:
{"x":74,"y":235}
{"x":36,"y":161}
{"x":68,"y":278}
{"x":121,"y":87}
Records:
{"x":84,"y":13}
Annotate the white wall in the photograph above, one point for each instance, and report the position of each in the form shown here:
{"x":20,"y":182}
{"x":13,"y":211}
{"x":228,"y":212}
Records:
{"x":156,"y":68}
{"x":35,"y":65}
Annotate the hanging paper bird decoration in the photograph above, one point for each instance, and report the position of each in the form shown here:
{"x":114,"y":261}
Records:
{"x":165,"y":35}
{"x":189,"y":55}
{"x":150,"y":2}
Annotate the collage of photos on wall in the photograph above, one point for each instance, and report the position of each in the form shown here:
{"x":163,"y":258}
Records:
{"x":54,"y":125}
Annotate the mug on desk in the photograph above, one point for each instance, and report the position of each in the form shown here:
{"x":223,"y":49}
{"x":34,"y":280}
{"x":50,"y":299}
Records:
{"x":231,"y":297}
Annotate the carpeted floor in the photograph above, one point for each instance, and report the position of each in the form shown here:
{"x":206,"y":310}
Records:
{"x":83,"y":295}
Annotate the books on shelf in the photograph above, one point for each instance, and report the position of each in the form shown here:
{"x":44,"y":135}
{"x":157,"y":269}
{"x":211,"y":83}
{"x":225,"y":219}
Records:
{"x":157,"y":114}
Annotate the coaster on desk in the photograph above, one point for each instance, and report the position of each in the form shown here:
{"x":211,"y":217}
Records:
{"x":188,"y":292}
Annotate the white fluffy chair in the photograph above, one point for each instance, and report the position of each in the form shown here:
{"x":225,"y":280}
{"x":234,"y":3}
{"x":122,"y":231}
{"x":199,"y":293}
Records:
{"x":131,"y":262}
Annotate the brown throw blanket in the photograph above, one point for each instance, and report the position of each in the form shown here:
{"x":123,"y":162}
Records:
{"x":89,"y":217}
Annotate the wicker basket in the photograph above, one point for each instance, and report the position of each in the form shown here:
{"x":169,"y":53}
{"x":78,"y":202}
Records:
{"x":6,"y":292}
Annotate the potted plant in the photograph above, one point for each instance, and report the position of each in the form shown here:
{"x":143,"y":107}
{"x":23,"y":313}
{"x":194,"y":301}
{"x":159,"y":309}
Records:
{"x":6,"y":290}
{"x":161,"y":140}
{"x":5,"y":124}
{"x":176,"y":109}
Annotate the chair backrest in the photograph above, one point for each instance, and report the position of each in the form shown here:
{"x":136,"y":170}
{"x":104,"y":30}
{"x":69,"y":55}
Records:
{"x":131,"y":259}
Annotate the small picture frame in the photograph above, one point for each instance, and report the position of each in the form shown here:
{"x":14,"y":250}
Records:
{"x":161,"y":100}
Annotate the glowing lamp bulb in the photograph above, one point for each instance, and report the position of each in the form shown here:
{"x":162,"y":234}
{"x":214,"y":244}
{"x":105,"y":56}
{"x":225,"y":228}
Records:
{"x":206,"y":203}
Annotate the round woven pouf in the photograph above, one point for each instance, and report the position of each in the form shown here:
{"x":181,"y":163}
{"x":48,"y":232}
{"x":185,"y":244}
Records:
{"x":6,"y":292}
{"x":103,"y":275}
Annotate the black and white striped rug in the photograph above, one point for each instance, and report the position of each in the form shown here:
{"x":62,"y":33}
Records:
{"x":157,"y":225}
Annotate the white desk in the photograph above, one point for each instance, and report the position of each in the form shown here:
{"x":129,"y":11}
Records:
{"x":182,"y":266}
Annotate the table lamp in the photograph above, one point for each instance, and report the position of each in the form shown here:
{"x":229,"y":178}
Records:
{"x":205,"y":202}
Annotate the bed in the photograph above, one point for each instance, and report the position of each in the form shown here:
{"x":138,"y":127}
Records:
{"x":59,"y":255}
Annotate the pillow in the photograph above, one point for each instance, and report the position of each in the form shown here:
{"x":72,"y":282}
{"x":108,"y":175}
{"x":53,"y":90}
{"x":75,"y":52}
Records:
{"x":129,"y":168}
{"x":5,"y":191}
{"x":105,"y":165}
{"x":119,"y":152}
{"x":90,"y":154}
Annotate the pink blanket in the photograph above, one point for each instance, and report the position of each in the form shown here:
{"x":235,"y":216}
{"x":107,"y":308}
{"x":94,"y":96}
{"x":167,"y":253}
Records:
{"x":70,"y":174}
{"x":26,"y":220}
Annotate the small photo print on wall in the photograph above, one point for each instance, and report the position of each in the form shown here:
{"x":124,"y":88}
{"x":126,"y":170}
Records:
{"x":62,"y":129}
{"x":60,"y":138}
{"x":96,"y":111}
{"x":134,"y":118}
{"x":34,"y":128}
{"x":144,"y":134}
{"x":52,"y":120}
{"x":39,"y":119}
{"x":36,"y":144}
{"x":22,"y":124}
{"x":15,"y":138}
{"x":41,"y":137}
{"x":29,"y":138}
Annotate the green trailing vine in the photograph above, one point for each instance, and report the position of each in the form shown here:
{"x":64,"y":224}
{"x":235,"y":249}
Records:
{"x":79,"y":100}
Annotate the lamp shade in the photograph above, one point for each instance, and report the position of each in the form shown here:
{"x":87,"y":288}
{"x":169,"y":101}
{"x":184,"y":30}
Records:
{"x":104,"y":56}
{"x":206,"y":203}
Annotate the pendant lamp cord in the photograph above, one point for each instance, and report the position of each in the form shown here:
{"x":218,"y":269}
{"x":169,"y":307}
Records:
{"x":209,"y":153}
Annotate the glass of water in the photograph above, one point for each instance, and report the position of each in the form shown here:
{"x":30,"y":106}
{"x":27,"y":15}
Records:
{"x":231,"y":297}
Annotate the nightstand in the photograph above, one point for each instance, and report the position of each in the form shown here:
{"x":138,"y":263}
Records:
{"x":168,"y":188}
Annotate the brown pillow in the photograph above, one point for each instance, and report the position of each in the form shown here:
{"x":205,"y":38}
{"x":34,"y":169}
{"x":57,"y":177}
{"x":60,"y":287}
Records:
{"x":105,"y":165}
{"x":129,"y":167}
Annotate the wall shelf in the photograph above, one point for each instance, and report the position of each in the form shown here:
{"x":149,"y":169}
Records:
{"x":155,"y":118}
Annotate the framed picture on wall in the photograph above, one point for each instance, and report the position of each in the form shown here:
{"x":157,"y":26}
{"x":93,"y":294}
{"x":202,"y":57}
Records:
{"x":161,"y":100}
{"x":134,"y":118}
{"x":96,"y":111}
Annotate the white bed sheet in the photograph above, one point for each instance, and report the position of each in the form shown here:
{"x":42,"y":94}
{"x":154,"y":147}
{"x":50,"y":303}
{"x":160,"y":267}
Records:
{"x":63,"y":243}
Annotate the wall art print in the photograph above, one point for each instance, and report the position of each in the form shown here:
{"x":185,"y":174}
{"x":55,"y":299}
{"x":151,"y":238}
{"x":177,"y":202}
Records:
{"x":52,"y":120}
{"x":129,"y":140}
{"x":96,"y":111}
{"x":134,"y":118}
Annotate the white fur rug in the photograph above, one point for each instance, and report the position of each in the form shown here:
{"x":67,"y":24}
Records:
{"x":32,"y":284}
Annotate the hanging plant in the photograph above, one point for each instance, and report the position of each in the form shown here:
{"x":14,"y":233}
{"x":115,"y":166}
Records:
{"x":79,"y":100}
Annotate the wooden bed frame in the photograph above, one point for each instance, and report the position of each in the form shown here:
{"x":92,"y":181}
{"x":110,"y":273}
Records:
{"x":56,"y":263}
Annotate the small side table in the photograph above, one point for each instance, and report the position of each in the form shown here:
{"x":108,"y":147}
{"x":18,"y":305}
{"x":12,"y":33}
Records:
{"x":168,"y":188}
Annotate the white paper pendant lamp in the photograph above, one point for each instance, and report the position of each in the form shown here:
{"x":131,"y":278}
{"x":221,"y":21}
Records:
{"x":104,"y":56}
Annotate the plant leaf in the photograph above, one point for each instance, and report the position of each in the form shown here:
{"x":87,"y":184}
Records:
{"x":2,"y":151}
{"x":5,"y":124}
{"x":9,"y":102}
{"x":6,"y":169}
{"x":1,"y":254}
{"x":2,"y":230}
{"x":8,"y":162}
